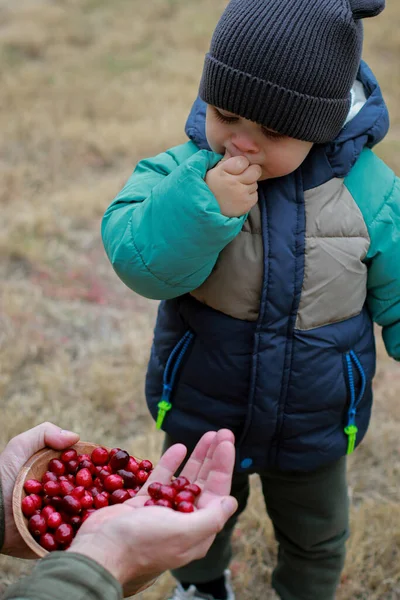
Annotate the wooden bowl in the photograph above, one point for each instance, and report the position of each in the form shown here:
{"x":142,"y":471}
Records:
{"x":35,"y":468}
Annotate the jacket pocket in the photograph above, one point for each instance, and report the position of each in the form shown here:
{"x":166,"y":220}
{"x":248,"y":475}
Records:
{"x":171,"y":370}
{"x":356,"y":383}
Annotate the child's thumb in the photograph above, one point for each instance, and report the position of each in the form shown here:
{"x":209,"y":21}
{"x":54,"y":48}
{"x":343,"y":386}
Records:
{"x":235,"y":165}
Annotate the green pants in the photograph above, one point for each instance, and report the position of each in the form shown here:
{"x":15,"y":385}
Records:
{"x":309,"y":512}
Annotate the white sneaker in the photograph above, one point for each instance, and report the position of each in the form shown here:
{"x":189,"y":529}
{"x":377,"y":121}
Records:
{"x":192,"y":593}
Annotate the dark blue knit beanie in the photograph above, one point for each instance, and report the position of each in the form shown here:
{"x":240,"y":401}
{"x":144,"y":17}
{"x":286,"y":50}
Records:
{"x":288,"y":64}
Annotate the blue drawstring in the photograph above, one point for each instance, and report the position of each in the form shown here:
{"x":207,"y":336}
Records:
{"x":175,"y":359}
{"x":362,"y":375}
{"x":351,"y":429}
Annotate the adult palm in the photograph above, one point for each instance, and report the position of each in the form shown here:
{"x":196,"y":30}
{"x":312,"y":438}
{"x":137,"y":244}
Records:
{"x":137,"y":543}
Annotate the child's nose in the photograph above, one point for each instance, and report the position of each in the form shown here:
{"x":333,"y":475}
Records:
{"x":244,"y":143}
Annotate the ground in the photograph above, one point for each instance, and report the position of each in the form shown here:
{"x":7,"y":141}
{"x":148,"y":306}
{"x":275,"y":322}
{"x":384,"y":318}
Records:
{"x":87,"y":88}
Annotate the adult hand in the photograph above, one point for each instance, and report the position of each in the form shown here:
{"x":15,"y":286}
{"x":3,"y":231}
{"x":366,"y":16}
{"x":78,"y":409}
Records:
{"x":136,"y":543}
{"x":233,"y":181}
{"x":14,"y":456}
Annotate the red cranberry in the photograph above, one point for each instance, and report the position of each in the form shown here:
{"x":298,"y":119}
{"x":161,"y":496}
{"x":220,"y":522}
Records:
{"x":119,"y":496}
{"x":56,"y":501}
{"x":185,"y":507}
{"x":37,"y":525}
{"x":49,"y":476}
{"x":75,"y":521}
{"x":64,"y":534}
{"x":72,"y":466}
{"x":146,"y":465}
{"x":94,"y":491}
{"x":56,"y":466}
{"x":33,"y":486}
{"x":86,"y":500}
{"x":164,"y":502}
{"x":37,"y":500}
{"x":184,"y":496}
{"x":71,"y":505}
{"x":114,"y":451}
{"x":52,"y":488}
{"x":100,"y":501}
{"x":132,"y":465}
{"x":47,"y":511}
{"x":100,"y":456}
{"x":194,"y":488}
{"x":119,"y":460}
{"x":46,"y":500}
{"x":113,"y":482}
{"x":78,"y":491}
{"x":87,"y":464}
{"x":151,"y":502}
{"x":48,"y":542}
{"x":104,"y":473}
{"x":65,"y":488}
{"x":83,"y":457}
{"x":71,"y":478}
{"x":86,"y":514}
{"x":84,"y":478}
{"x":128,"y":477}
{"x":142,"y":476}
{"x":63,"y":478}
{"x":99,"y":484}
{"x":54,"y":520}
{"x":179,"y":483}
{"x":168,"y":493}
{"x":131,"y":492}
{"x":68,"y":455}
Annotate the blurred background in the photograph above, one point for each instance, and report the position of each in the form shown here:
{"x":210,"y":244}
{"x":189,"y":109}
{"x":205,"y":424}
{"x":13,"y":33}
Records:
{"x":87,"y":88}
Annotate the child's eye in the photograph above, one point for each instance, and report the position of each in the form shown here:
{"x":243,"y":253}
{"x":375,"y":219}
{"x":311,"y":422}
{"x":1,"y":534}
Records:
{"x":272,"y":135}
{"x":225,"y":118}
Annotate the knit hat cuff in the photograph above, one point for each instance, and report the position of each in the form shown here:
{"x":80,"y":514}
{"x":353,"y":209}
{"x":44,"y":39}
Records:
{"x":288,"y":112}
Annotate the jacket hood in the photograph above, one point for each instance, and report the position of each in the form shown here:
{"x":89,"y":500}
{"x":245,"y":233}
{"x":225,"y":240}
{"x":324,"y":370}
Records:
{"x":365,"y":130}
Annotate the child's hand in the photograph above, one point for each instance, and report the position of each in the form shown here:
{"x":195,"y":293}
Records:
{"x":234,"y":184}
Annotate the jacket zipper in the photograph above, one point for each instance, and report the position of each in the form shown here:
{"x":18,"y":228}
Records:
{"x":351,"y":428}
{"x":263,"y":303}
{"x":169,"y":378}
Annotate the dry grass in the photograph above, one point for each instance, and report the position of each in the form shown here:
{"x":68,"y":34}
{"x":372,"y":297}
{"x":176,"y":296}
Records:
{"x":86,"y":88}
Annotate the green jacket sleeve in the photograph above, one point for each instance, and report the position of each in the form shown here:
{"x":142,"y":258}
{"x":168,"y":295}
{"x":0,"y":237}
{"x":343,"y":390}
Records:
{"x":376,"y":190}
{"x":164,"y":231}
{"x":66,"y":576}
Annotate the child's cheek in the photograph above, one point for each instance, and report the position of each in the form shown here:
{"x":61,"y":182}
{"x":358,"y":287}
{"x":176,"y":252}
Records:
{"x":215,"y":134}
{"x":282,"y":162}
{"x":273,"y":166}
{"x":214,"y":143}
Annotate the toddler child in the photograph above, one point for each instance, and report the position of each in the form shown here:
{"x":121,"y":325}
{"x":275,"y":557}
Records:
{"x":272,"y":238}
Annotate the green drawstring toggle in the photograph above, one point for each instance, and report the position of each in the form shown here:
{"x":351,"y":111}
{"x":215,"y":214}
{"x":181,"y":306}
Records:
{"x":351,"y":431}
{"x":163,"y":407}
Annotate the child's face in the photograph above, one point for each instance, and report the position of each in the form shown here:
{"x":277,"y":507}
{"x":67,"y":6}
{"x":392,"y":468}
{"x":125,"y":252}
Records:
{"x":277,"y":155}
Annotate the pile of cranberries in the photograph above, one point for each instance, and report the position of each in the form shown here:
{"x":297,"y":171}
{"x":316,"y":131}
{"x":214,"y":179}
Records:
{"x":74,"y":486}
{"x":179,"y":495}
